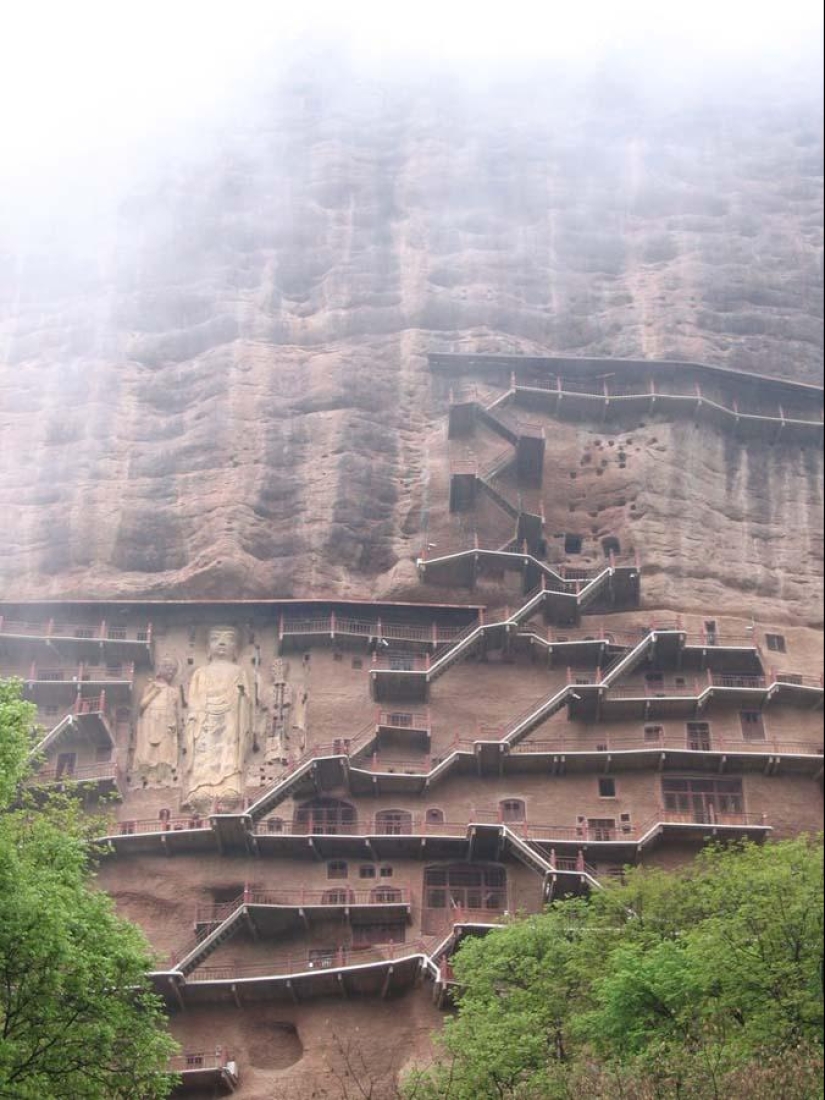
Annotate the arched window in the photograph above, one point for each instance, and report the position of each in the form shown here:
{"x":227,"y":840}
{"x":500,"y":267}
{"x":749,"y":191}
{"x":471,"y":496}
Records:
{"x":434,"y":816}
{"x":328,"y":816}
{"x":610,"y":545}
{"x":512,"y":809}
{"x":385,"y":895}
{"x":393,"y":822}
{"x":340,"y":896}
{"x":465,"y":886}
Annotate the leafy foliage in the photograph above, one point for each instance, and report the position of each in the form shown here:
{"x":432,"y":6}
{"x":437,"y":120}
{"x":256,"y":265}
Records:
{"x":703,"y":983}
{"x":77,"y":1018}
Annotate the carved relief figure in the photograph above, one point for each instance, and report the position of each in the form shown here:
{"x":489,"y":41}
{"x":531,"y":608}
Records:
{"x":219,"y":726}
{"x":158,"y":728}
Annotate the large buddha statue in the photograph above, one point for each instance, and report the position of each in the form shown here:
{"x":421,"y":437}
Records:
{"x":219,"y":725}
{"x":158,"y":728}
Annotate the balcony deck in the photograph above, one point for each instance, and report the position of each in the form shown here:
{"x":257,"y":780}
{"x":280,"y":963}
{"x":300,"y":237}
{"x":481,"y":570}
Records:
{"x":83,"y":640}
{"x":215,"y":1072}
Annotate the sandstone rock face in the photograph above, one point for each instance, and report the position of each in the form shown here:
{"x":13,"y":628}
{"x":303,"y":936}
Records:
{"x":227,"y":392}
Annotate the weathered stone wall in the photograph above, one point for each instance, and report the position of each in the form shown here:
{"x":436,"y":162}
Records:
{"x":225,"y":390}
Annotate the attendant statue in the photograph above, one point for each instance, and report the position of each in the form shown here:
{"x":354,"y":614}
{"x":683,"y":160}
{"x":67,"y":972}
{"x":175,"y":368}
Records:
{"x":158,"y":728}
{"x":219,"y":725}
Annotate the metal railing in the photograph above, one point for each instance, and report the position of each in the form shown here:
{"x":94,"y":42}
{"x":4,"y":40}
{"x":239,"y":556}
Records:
{"x":157,"y":825}
{"x":284,"y":964}
{"x":191,"y":1061}
{"x":669,"y":742}
{"x":649,"y":390}
{"x":66,"y":631}
{"x":332,"y":897}
{"x":84,"y":773}
{"x":78,"y":675}
{"x":404,"y":720}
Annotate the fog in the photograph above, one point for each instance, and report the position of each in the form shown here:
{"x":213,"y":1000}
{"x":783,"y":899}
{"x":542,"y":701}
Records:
{"x":88,"y":83}
{"x":100,"y":99}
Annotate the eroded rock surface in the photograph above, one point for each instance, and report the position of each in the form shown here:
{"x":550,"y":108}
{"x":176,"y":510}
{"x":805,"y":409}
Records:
{"x":227,"y":391}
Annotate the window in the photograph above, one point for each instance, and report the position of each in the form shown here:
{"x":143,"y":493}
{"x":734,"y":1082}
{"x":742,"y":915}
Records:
{"x":194,"y":1061}
{"x":753,"y":725}
{"x":711,"y":633}
{"x":385,"y":871}
{"x":776,"y":643}
{"x":610,"y":545}
{"x":607,"y":787}
{"x":625,"y":823}
{"x":434,"y":816}
{"x":116,"y":633}
{"x":573,"y":544}
{"x":337,"y":868}
{"x":789,"y":678}
{"x":337,"y":655}
{"x":328,"y":816}
{"x":393,"y":822}
{"x":601,"y":828}
{"x":385,"y":895}
{"x":401,"y":662}
{"x":400,"y":720}
{"x":357,"y":662}
{"x":341,"y":896}
{"x":274,"y":824}
{"x":654,"y":678}
{"x":84,"y":632}
{"x":465,"y":886}
{"x":702,"y":800}
{"x":322,"y":958}
{"x":654,"y":734}
{"x":512,"y":809}
{"x":698,"y":736}
{"x":366,"y":870}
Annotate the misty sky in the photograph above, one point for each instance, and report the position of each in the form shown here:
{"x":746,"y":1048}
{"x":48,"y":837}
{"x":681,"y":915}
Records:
{"x":92,"y":71}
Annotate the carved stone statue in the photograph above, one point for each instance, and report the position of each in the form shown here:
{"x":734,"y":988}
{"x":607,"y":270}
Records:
{"x":158,"y":727}
{"x":219,"y":726}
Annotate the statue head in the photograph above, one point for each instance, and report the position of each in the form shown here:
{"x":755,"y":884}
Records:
{"x":223,"y":643}
{"x":167,"y":668}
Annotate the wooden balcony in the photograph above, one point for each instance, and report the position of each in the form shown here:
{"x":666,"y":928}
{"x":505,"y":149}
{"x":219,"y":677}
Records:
{"x":340,"y":971}
{"x":53,"y":683}
{"x":99,"y":779}
{"x":82,"y":639}
{"x":215,"y":1072}
{"x":272,"y":911}
{"x":408,"y":728}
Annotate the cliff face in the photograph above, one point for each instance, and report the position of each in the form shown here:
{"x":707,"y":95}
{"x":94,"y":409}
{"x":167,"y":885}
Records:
{"x":228,"y":393}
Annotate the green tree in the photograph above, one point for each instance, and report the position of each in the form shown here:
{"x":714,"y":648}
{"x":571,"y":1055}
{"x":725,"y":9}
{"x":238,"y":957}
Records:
{"x":705,"y":983}
{"x":77,"y":1018}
